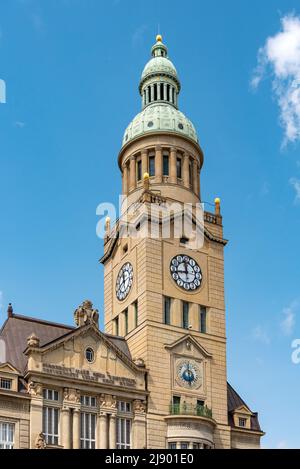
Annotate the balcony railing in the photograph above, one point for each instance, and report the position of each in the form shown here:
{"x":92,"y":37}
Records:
{"x":190,"y":409}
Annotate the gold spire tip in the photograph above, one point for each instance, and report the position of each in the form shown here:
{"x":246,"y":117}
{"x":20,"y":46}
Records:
{"x":159,"y":38}
{"x":217,"y":201}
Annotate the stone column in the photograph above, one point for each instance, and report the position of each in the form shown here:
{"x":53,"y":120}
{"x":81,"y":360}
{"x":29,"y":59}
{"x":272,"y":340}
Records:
{"x":113,"y":431}
{"x":102,"y":430}
{"x":65,"y":428}
{"x":186,"y":170}
{"x":132,"y":174}
{"x":195,"y":176}
{"x":158,"y":164}
{"x":173,"y":165}
{"x":148,"y":95}
{"x":125,"y":180}
{"x":171,"y":94}
{"x":152,"y":93}
{"x":158,"y":92}
{"x":194,"y":316}
{"x":144,"y":162}
{"x":165,"y":91}
{"x":176,"y":313}
{"x":76,"y":429}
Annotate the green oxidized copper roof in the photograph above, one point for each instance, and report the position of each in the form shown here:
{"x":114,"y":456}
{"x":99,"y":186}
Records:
{"x":159,"y":65}
{"x":160,"y":118}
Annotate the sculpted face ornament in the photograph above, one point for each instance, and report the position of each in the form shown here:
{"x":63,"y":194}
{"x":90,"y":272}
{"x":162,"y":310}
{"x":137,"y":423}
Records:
{"x":186,"y":273}
{"x":124,"y":281}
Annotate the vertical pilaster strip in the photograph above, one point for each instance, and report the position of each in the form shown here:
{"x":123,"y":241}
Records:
{"x":173,"y":165}
{"x":132,"y":173}
{"x":186,"y":170}
{"x":158,"y":164}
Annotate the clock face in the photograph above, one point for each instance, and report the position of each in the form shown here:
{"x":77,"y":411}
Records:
{"x":124,"y":281}
{"x":189,"y":374}
{"x":186,"y":272}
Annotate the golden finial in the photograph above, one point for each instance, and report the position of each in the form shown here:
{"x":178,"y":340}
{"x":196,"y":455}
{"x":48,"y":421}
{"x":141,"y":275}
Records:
{"x":218,"y":206}
{"x":159,"y":38}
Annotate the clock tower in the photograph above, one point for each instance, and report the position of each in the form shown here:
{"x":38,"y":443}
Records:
{"x":164,"y":292}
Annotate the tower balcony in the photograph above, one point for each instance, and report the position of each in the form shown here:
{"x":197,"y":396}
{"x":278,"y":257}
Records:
{"x":190,"y":423}
{"x":189,"y":409}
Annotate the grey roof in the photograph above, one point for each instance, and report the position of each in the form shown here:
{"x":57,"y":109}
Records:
{"x":234,"y":401}
{"x":17,"y":329}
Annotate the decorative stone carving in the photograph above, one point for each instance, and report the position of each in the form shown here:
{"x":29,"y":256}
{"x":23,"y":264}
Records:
{"x":139,"y":406}
{"x":85,"y":314}
{"x":35,"y":389}
{"x":33,"y":341}
{"x":40,"y":442}
{"x":102,"y":400}
{"x":72,"y":395}
{"x":139,"y":362}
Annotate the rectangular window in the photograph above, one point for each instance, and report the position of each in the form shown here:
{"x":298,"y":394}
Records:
{"x":185,"y":315}
{"x":116,"y":324}
{"x":242,"y":422}
{"x":139,"y":170}
{"x":166,"y":165}
{"x":123,"y":433}
{"x":50,"y":395}
{"x":124,"y":407}
{"x":126,"y":321}
{"x":202,"y":319}
{"x":200,"y":403}
{"x":184,"y":445}
{"x":167,"y":310}
{"x":5,"y":383}
{"x":88,"y":401}
{"x":7,"y":431}
{"x":178,"y":166}
{"x":151,"y":166}
{"x":176,"y":405}
{"x":172,"y":445}
{"x":136,"y":313}
{"x":87,"y":431}
{"x":50,"y":425}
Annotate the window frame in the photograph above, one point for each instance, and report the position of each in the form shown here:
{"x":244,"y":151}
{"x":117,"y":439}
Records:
{"x":7,"y":380}
{"x":185,"y":315}
{"x":166,"y":163}
{"x":151,"y":165}
{"x":202,"y":319}
{"x":9,"y":441}
{"x":88,"y":430}
{"x":51,"y":414}
{"x":167,"y":314}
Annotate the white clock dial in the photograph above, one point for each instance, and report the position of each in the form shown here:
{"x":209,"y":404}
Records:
{"x":124,"y":281}
{"x":186,"y":272}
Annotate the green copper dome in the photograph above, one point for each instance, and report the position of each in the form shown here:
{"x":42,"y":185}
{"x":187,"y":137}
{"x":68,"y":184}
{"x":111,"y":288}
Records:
{"x":159,"y":88}
{"x":159,"y":65}
{"x":160,"y":118}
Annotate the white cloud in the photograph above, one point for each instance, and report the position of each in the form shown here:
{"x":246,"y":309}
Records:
{"x":138,"y":35}
{"x":282,"y":445}
{"x":19,"y":124}
{"x":281,"y":53}
{"x":295,"y":183}
{"x":287,"y":325}
{"x":260,"y":335}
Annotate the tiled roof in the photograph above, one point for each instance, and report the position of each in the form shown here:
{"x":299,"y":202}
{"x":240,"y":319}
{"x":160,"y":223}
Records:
{"x":17,"y":329}
{"x":234,"y":402}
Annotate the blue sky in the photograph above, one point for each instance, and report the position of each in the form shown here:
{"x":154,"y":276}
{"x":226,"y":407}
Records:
{"x":72,"y":70}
